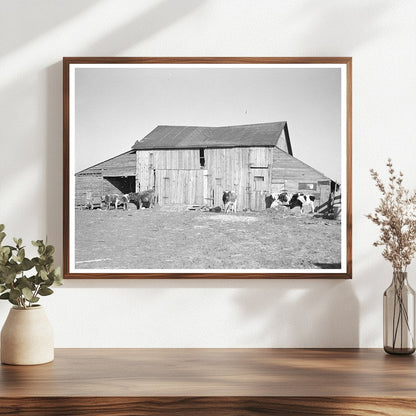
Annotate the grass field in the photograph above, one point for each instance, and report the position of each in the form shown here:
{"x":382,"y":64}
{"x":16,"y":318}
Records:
{"x":169,"y":239}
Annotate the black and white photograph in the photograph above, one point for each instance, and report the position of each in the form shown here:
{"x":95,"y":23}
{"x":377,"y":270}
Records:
{"x":207,"y":169}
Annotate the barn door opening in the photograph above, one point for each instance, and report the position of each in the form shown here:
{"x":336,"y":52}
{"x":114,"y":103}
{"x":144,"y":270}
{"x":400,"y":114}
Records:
{"x":119,"y":184}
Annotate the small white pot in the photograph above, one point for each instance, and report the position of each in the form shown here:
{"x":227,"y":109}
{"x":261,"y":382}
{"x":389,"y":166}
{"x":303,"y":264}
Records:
{"x":27,"y":337}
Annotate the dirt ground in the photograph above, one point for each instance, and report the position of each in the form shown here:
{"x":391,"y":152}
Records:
{"x":169,"y":239}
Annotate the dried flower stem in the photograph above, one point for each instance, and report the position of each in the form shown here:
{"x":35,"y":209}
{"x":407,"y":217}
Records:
{"x":396,"y":216}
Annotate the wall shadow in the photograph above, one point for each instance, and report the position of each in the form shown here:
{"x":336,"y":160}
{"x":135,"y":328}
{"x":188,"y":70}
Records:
{"x":36,"y":17}
{"x":54,"y":146}
{"x":158,"y":17}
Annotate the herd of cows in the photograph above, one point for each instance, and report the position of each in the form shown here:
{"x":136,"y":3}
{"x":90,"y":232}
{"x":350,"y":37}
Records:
{"x":147,"y":199}
{"x":291,"y":201}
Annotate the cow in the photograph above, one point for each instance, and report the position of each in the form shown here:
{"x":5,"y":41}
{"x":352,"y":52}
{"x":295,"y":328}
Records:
{"x":270,"y":200}
{"x":143,"y":199}
{"x":110,"y":199}
{"x":229,"y":199}
{"x":116,"y":200}
{"x":124,"y":201}
{"x":302,"y":200}
{"x":276,"y":200}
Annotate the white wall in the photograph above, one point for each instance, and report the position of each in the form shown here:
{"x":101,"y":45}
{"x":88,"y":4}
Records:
{"x":380,"y":35}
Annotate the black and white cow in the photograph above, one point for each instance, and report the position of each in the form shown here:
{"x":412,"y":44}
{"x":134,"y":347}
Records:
{"x":302,"y":200}
{"x":276,"y":200}
{"x":229,"y":198}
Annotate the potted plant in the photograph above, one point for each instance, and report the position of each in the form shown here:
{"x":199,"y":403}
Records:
{"x":27,"y":336}
{"x":396,"y":217}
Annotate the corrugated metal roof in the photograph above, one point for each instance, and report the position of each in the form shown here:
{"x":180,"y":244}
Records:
{"x":187,"y":137}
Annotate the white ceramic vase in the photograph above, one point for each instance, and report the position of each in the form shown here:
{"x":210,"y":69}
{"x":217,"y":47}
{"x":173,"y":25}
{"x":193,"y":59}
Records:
{"x":27,"y":337}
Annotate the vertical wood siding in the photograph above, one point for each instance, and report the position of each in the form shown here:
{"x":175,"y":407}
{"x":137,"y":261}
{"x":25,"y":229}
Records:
{"x":179,"y":178}
{"x":88,"y":187}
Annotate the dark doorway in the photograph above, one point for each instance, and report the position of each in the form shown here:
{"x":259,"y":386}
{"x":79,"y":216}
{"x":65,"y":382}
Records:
{"x":119,"y":184}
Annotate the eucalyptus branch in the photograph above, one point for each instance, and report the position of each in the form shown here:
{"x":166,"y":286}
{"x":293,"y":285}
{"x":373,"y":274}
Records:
{"x":16,"y":284}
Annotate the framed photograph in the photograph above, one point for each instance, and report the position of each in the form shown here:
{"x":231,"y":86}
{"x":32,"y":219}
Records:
{"x":207,"y":168}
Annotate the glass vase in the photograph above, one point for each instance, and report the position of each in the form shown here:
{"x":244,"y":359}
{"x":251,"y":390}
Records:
{"x":399,"y":316}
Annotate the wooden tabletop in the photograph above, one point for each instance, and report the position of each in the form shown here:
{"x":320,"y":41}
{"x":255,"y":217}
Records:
{"x":223,"y":377}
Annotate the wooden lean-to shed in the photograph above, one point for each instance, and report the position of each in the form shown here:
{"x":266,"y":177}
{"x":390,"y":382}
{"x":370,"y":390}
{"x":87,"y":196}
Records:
{"x":113,"y":176}
{"x":189,"y":165}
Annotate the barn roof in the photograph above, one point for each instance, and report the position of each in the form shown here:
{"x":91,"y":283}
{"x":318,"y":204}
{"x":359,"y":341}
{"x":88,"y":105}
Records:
{"x":188,"y":137}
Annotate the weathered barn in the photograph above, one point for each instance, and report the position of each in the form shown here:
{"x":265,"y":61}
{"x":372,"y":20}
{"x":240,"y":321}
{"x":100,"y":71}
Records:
{"x":194,"y":165}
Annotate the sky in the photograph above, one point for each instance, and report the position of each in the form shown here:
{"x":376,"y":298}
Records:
{"x":114,"y":107}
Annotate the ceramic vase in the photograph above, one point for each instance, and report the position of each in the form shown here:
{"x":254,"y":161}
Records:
{"x":27,"y":337}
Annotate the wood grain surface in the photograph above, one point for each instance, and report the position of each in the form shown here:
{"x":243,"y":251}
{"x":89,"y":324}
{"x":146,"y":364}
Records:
{"x":212,"y":381}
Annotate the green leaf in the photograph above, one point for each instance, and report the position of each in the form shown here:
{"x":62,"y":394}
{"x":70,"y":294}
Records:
{"x":43,"y":274}
{"x":21,"y":255}
{"x":49,"y":250}
{"x":15,"y":294}
{"x":48,"y":260}
{"x":5,"y":295}
{"x":4,"y":255}
{"x":5,"y":250}
{"x":17,"y":241}
{"x":9,"y":277}
{"x":24,"y":282}
{"x":28,"y":294}
{"x":26,"y":264}
{"x":11,"y":248}
{"x":2,"y":227}
{"x":58,"y":280}
{"x":13,"y":302}
{"x":37,"y":243}
{"x":2,"y":236}
{"x":2,"y":288}
{"x":45,"y":291}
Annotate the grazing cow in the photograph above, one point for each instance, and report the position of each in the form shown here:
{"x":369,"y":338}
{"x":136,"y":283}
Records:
{"x":229,"y":198}
{"x":110,"y":199}
{"x":302,"y":201}
{"x":144,"y":199}
{"x":116,"y":200}
{"x":280,"y":199}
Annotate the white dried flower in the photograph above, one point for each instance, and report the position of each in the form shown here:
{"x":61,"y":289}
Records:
{"x":396,"y":216}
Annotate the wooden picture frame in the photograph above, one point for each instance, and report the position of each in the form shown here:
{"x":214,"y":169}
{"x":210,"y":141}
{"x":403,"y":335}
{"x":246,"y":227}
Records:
{"x":207,"y":135}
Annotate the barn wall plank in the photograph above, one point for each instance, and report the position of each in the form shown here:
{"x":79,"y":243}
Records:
{"x":121,"y":165}
{"x":88,"y":187}
{"x":286,"y":167}
{"x":229,"y":169}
